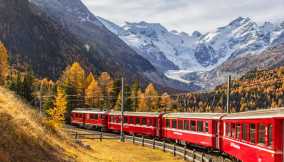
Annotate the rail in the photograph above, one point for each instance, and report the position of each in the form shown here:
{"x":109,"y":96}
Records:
{"x":184,"y":152}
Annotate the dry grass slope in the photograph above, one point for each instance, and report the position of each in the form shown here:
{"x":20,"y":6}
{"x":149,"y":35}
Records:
{"x":25,"y":137}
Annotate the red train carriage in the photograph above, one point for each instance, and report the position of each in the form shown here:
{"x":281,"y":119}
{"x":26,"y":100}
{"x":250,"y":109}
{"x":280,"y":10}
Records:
{"x":139,"y":123}
{"x":255,"y":136}
{"x":77,"y":117}
{"x":90,"y":118}
{"x":193,"y":128}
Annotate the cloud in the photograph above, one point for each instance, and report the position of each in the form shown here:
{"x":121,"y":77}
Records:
{"x":187,"y":15}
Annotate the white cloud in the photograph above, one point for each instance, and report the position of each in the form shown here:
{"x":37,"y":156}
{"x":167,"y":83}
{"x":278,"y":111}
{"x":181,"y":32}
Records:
{"x":187,"y":15}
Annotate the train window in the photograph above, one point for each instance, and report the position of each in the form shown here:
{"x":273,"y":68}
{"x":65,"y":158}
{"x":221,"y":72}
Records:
{"x":200,"y":126}
{"x":144,"y":121}
{"x":193,"y":125}
{"x":174,"y":123}
{"x":252,"y":133}
{"x":130,"y":120}
{"x":118,"y":119}
{"x":94,"y":116}
{"x":137,"y":120}
{"x":238,"y":130}
{"x":180,"y":124}
{"x":168,"y":123}
{"x":206,"y":127}
{"x":228,"y":129}
{"x":244,"y":132}
{"x":261,"y":134}
{"x":270,"y":135}
{"x":233,"y":129}
{"x":125,"y":119}
{"x":186,"y":125}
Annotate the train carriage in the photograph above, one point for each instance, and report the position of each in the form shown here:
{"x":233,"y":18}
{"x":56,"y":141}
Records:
{"x":140,"y":123}
{"x":89,"y":118}
{"x":255,"y":136}
{"x":193,"y":128}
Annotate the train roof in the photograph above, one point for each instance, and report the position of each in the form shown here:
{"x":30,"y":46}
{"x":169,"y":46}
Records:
{"x":89,"y":110}
{"x":266,"y":113}
{"x":149,"y":114}
{"x":195,"y":115}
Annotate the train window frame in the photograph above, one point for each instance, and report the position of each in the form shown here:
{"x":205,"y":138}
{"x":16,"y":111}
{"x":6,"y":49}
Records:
{"x":131,"y":120}
{"x":137,"y":121}
{"x":144,"y":121}
{"x":238,"y":131}
{"x":180,"y":124}
{"x":200,"y":127}
{"x":193,"y":126}
{"x":270,"y":135}
{"x":94,"y":116}
{"x":168,"y":123}
{"x":252,"y":133}
{"x":261,"y":134}
{"x":186,"y":125}
{"x":228,"y":130}
{"x":233,"y":130}
{"x":244,"y":132}
{"x":125,"y":119}
{"x":174,"y":123}
{"x":206,"y":125}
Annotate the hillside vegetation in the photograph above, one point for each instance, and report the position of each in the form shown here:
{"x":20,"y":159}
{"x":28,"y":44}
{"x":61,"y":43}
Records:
{"x":258,"y":89}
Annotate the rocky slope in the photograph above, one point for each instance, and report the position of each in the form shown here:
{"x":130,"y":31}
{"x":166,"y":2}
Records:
{"x":48,"y":35}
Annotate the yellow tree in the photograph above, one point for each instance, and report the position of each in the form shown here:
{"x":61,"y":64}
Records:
{"x":74,"y":76}
{"x":152,"y":98}
{"x":142,"y":107}
{"x":89,"y":79}
{"x":4,"y":66}
{"x":166,"y":102}
{"x":57,"y":113}
{"x":73,"y":81}
{"x":93,"y":95}
{"x":107,"y":85}
{"x":117,"y":106}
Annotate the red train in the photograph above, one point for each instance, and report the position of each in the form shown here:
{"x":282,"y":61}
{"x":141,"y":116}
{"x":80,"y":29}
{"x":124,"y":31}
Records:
{"x":256,"y":136}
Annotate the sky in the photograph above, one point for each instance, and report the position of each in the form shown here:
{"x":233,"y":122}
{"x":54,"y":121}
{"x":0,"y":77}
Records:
{"x":187,"y":15}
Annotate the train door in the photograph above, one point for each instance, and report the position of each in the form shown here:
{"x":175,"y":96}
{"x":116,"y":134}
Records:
{"x":216,"y":129}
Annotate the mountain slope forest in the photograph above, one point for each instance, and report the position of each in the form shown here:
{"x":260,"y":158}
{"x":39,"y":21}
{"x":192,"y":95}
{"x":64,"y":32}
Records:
{"x":257,"y":89}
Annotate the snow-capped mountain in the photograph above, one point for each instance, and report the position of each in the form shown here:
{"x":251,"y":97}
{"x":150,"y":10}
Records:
{"x":178,"y":54}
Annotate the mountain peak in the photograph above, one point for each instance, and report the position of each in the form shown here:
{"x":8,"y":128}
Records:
{"x":145,"y":28}
{"x":240,"y":21}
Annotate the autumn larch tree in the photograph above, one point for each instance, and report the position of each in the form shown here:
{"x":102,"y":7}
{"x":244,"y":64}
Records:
{"x":107,"y":85}
{"x":152,"y":98}
{"x":4,"y":65}
{"x":142,"y":106}
{"x":58,"y":112}
{"x":166,"y":102}
{"x":73,"y":82}
{"x":93,"y":94}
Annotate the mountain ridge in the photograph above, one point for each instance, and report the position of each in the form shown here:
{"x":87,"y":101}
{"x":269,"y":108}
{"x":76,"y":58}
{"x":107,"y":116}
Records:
{"x":198,"y":53}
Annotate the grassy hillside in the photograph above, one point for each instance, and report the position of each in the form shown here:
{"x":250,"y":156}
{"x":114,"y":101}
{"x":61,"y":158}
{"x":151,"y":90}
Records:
{"x":25,"y":137}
